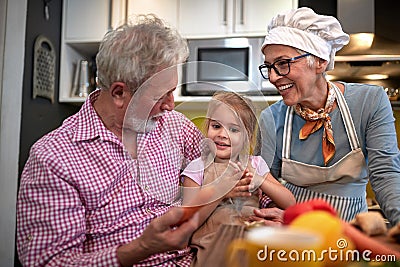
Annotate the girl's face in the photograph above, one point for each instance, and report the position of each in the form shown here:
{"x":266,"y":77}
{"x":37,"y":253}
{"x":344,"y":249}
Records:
{"x":227,"y":132}
{"x":299,"y":85}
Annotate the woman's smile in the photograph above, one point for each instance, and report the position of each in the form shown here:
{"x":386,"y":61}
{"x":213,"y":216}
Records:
{"x":282,"y":88}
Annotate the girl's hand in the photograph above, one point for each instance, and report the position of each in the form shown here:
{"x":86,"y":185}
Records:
{"x":243,"y":186}
{"x":238,"y":167}
{"x":241,"y":189}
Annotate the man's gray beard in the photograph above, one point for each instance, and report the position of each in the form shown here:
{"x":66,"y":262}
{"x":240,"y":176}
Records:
{"x":143,"y":126}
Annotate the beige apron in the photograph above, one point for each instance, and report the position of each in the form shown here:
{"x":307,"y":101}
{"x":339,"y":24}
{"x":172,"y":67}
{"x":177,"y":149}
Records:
{"x":231,"y":211}
{"x":350,"y":171}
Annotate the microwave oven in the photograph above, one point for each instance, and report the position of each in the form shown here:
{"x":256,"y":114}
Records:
{"x":225,"y":64}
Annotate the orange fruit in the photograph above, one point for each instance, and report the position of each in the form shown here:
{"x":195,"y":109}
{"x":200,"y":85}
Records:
{"x":335,"y":245}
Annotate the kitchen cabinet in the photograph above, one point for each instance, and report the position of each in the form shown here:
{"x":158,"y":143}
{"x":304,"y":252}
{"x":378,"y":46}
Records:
{"x":165,"y":9}
{"x":220,"y":18}
{"x":85,"y":22}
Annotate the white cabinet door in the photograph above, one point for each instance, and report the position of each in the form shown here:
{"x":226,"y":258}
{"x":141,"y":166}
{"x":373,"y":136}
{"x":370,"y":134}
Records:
{"x":86,"y":20}
{"x":253,"y":16}
{"x":165,"y":9}
{"x":83,"y":27}
{"x":205,"y":18}
{"x":223,"y":18}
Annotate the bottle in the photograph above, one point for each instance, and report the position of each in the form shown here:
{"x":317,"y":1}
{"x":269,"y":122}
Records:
{"x":84,"y":79}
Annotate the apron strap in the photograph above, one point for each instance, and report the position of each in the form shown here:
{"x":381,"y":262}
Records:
{"x":344,"y":111}
{"x":348,"y":120}
{"x":287,"y":130}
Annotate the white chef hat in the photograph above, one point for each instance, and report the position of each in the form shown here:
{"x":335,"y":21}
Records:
{"x":302,"y":28}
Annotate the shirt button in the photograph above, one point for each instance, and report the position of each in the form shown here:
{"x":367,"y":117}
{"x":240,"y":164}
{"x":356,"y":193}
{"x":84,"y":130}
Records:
{"x":148,"y":210}
{"x":146,"y":188}
{"x":30,"y":237}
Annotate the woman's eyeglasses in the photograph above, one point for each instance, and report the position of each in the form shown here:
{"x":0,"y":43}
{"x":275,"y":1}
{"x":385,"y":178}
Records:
{"x":281,"y":67}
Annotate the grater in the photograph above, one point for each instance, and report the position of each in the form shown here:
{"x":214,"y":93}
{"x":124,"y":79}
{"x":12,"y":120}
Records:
{"x":44,"y":68}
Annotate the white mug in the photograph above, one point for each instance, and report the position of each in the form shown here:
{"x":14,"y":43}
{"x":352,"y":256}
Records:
{"x":276,"y":246}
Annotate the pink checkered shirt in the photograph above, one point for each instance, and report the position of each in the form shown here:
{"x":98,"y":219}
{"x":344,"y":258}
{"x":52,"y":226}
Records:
{"x":81,"y":196}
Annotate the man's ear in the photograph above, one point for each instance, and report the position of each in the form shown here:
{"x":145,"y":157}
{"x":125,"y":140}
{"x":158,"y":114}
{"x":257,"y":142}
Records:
{"x":120,"y":93}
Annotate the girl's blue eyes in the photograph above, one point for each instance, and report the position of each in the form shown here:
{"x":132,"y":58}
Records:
{"x":216,"y":126}
{"x":232,"y":129}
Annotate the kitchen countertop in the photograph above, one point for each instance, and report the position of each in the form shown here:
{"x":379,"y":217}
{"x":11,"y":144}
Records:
{"x":197,"y":102}
{"x":188,"y":103}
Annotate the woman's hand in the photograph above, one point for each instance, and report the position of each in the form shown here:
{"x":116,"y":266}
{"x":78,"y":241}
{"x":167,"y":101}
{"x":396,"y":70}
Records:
{"x":270,"y":216}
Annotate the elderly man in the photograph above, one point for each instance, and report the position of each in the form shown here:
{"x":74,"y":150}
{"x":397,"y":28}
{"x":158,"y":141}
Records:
{"x":89,"y":190}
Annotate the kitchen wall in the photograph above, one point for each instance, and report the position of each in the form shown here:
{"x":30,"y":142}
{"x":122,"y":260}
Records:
{"x":39,"y":115}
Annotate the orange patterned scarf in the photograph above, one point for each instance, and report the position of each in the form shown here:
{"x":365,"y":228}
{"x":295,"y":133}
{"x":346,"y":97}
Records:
{"x":315,"y":120}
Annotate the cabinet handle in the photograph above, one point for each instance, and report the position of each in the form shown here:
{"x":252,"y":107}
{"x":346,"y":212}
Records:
{"x":110,"y":11}
{"x":225,"y":15}
{"x":241,"y":21}
{"x":126,"y":13}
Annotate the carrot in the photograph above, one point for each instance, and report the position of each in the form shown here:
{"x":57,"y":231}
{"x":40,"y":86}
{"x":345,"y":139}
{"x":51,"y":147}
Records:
{"x":364,"y":242}
{"x":200,"y":199}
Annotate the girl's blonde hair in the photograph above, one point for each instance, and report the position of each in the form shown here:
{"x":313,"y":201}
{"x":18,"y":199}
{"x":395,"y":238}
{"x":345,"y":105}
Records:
{"x":244,"y":109}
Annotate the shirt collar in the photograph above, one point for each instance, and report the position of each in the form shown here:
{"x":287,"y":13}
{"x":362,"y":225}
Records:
{"x":89,"y":125}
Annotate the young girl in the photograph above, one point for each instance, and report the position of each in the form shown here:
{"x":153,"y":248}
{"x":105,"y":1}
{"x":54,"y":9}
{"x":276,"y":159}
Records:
{"x":231,"y":126}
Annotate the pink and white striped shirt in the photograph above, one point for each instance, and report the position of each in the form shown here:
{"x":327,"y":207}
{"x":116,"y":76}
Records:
{"x":81,"y":195}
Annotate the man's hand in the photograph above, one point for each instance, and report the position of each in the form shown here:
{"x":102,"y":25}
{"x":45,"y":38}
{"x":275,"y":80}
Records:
{"x":159,"y":236}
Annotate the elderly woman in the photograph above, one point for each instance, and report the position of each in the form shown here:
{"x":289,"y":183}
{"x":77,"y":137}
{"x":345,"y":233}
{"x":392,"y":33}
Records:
{"x":331,"y":137}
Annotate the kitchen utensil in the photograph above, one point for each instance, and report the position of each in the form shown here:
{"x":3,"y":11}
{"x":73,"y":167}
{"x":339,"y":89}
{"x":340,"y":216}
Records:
{"x":393,"y":93}
{"x":271,"y":246}
{"x":81,"y":83}
{"x":44,"y":68}
{"x":75,"y":83}
{"x":84,"y":80}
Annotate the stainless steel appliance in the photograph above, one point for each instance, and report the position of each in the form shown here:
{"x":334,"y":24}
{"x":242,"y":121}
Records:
{"x":225,"y":64}
{"x":373,"y":53}
{"x":369,"y":58}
